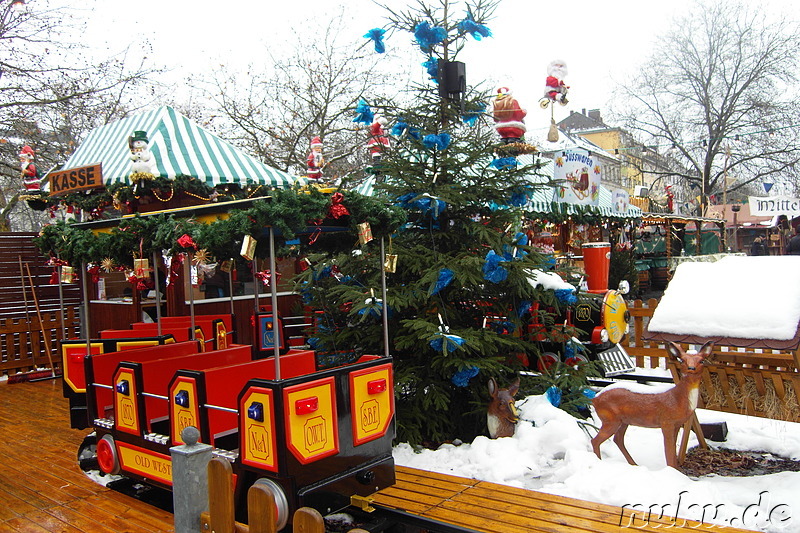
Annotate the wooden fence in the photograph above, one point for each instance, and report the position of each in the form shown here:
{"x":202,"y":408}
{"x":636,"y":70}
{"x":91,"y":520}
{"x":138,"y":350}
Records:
{"x":752,"y":381}
{"x":24,"y":342}
{"x":221,"y":514}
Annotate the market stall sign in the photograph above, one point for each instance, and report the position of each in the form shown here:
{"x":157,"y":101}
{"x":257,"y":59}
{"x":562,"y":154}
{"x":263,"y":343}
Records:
{"x":76,"y":179}
{"x":774,"y":205}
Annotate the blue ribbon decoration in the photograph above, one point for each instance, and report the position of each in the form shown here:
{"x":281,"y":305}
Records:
{"x":445,"y":342}
{"x":427,"y":36}
{"x":364,"y":114}
{"x":553,"y":395}
{"x":524,"y":308}
{"x":492,"y":270}
{"x":462,"y":377}
{"x":402,"y":127}
{"x":432,"y":68}
{"x":521,"y":239}
{"x":372,"y":310}
{"x":376,"y":34}
{"x":440,"y":142}
{"x":566,"y":296}
{"x":504,"y":163}
{"x":478,"y":31}
{"x":445,"y":278}
{"x":519,"y":197}
{"x":471,"y":117}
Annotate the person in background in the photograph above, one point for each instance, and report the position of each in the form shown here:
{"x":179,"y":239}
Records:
{"x":758,"y":247}
{"x":793,"y":248}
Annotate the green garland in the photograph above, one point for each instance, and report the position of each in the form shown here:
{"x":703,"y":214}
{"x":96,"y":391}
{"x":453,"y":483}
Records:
{"x":289,"y":212}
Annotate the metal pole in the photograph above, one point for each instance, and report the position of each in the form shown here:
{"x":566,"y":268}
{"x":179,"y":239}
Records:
{"x":191,"y":296}
{"x":273,"y":285}
{"x":85,"y":321}
{"x":385,"y":307}
{"x":158,"y":292}
{"x":230,"y":283}
{"x":24,"y":293}
{"x":61,"y":304}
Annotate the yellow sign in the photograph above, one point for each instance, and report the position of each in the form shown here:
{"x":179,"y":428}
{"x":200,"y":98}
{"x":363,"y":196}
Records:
{"x":258,"y":427}
{"x":614,"y":316}
{"x":184,"y":409}
{"x":221,"y":335}
{"x":126,"y":408}
{"x":371,"y":402}
{"x":148,"y":464}
{"x":311,"y":423}
{"x":72,"y":356}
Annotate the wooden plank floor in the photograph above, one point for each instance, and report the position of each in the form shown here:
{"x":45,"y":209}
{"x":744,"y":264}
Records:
{"x":42,"y":490}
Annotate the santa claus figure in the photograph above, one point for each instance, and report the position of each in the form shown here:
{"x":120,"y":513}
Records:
{"x":315,"y":160}
{"x":508,"y":116}
{"x":378,"y":141}
{"x":555,"y":90}
{"x":30,"y":178}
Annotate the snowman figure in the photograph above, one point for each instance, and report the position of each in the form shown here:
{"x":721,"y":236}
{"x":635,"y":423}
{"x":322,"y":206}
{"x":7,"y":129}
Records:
{"x":141,"y":158}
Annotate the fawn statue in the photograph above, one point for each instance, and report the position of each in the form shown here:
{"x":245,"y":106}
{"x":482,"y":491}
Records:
{"x":668,"y":410}
{"x":502,"y":416}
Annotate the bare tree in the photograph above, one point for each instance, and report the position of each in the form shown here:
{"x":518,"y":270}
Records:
{"x":275,"y":109}
{"x":52,"y":92}
{"x":717,"y":93}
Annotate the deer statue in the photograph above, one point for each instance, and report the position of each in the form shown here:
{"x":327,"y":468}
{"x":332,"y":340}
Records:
{"x":501,"y":416}
{"x":668,"y":410}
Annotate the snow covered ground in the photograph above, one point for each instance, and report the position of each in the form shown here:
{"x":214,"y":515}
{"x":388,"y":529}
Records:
{"x":550,"y":452}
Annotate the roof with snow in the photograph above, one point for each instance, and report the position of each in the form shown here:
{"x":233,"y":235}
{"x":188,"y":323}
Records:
{"x":179,"y":146}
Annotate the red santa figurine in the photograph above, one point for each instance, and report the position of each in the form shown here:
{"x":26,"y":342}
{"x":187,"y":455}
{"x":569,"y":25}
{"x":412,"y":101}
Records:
{"x":509,"y":117}
{"x":30,"y":178}
{"x":555,"y":90}
{"x":378,"y":141}
{"x":315,"y":160}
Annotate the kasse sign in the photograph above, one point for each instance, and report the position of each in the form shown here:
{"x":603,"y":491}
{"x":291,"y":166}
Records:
{"x":75,"y":179}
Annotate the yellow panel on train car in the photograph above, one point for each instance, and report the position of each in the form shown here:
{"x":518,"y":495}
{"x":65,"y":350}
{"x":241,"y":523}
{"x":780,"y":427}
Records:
{"x":371,"y":402}
{"x":258,"y":447}
{"x":72,"y":356}
{"x":130,"y":345}
{"x":221,"y":335}
{"x":126,"y":408}
{"x":146,"y":463}
{"x":311,"y":425}
{"x":184,"y":410}
{"x":614,"y":316}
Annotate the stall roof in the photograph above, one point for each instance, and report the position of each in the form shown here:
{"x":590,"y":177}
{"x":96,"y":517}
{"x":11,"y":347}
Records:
{"x":179,"y":146}
{"x":743,"y":216}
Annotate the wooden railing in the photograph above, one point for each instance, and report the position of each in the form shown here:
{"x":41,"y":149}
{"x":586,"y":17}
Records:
{"x":24,"y":342}
{"x":752,"y":381}
{"x":221,"y":514}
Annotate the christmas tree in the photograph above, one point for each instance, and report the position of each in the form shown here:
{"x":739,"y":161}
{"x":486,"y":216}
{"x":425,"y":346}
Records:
{"x":463,"y":281}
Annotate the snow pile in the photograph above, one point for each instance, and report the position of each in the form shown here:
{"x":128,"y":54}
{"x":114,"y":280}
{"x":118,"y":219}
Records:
{"x":551,"y":453}
{"x":746,"y":297}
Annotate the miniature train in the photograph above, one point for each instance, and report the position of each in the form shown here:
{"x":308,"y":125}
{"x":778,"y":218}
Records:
{"x":315,"y":438}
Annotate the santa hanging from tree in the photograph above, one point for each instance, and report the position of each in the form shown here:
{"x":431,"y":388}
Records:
{"x":30,"y":177}
{"x":555,"y":90}
{"x":378,"y":141}
{"x":315,"y":160}
{"x":509,"y":117}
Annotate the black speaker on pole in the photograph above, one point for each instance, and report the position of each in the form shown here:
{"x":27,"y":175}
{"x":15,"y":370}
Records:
{"x":452,"y":79}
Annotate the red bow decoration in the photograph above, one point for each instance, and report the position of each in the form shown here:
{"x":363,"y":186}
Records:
{"x":337,"y":209}
{"x":265,"y":276}
{"x":54,"y":278}
{"x":175,"y":268}
{"x":186,"y":241}
{"x":94,"y":273}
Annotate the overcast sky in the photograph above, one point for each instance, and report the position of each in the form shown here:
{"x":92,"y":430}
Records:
{"x":600,"y":41}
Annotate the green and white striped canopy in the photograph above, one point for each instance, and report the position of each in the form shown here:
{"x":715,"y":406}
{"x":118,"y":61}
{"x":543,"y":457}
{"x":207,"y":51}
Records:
{"x":179,"y":147}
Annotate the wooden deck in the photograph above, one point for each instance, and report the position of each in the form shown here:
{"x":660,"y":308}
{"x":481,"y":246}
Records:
{"x":41,"y":487}
{"x":43,"y":490}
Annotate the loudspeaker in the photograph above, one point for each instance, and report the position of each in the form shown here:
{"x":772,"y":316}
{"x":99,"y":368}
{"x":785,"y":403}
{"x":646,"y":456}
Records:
{"x":641,"y":190}
{"x":452,"y":79}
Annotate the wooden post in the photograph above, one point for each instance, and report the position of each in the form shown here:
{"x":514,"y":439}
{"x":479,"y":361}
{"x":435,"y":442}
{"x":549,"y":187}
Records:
{"x":307,"y":520}
{"x":260,"y":510}
{"x":220,"y":496}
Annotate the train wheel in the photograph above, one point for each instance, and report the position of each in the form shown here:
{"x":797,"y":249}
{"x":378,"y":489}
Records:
{"x":576,"y":360}
{"x":546,"y":361}
{"x":107,"y":455}
{"x":281,"y":503}
{"x":87,"y":453}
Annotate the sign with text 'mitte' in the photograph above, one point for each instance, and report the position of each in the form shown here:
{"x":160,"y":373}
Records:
{"x":771,"y":206}
{"x":75,"y":179}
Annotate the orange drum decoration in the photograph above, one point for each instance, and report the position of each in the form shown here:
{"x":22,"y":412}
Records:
{"x":597,"y":261}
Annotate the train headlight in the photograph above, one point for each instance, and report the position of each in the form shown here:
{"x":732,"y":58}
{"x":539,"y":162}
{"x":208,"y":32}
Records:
{"x":604,"y":335}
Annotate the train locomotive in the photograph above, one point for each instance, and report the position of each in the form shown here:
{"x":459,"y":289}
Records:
{"x":315,"y":438}
{"x":588,"y":329}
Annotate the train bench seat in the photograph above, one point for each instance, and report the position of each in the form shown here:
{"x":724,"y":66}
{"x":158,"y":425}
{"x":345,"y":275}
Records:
{"x":100,"y":369}
{"x":216,"y":418}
